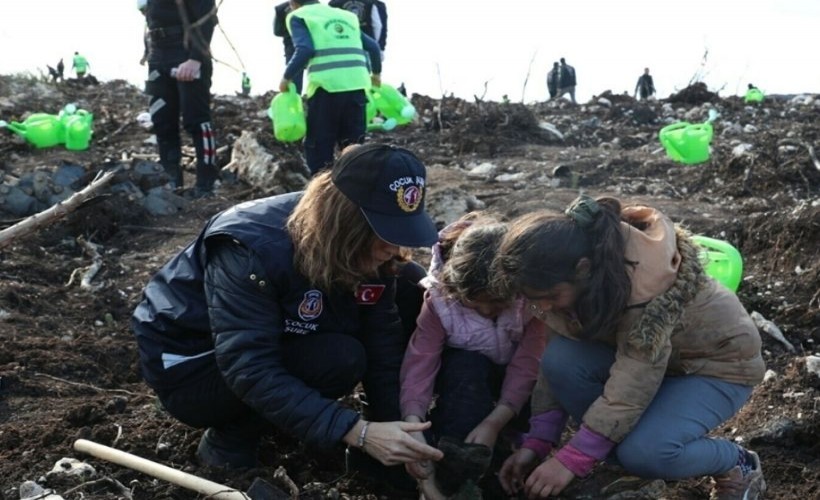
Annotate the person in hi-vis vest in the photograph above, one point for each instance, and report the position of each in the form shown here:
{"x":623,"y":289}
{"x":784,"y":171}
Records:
{"x":330,"y":45}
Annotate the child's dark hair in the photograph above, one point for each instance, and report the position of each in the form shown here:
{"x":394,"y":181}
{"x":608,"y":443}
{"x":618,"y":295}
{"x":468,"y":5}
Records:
{"x":468,"y":252}
{"x":541,"y":250}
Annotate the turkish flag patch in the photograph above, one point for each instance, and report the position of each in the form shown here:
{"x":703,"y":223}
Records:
{"x":369,"y":294}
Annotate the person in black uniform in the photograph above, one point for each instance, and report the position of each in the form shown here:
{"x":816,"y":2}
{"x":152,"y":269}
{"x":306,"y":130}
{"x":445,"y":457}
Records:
{"x":645,"y":85}
{"x":280,"y":29}
{"x":179,"y":82}
{"x":284,"y":304}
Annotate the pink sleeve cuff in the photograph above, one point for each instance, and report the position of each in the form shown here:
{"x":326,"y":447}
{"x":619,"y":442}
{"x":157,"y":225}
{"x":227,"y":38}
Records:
{"x":541,"y":448}
{"x":578,"y":462}
{"x":548,"y":426}
{"x":591,"y":443}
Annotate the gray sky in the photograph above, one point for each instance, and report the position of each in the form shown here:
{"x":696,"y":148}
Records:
{"x":455,"y":46}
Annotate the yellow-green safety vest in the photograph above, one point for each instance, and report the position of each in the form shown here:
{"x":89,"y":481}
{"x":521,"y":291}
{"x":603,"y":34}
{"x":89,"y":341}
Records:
{"x":339,"y":63}
{"x":246,"y":82}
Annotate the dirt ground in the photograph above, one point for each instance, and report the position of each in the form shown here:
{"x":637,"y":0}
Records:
{"x":68,"y":364}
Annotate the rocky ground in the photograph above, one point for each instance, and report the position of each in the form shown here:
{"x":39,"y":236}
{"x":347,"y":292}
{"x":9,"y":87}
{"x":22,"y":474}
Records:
{"x":68,"y":362}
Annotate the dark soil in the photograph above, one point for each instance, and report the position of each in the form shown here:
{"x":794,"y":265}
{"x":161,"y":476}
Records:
{"x":68,"y":363}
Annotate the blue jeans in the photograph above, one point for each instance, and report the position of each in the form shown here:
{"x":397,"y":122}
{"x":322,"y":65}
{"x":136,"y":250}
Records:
{"x":670,"y":440}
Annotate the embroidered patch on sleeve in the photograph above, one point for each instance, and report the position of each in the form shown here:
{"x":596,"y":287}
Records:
{"x":369,"y":294}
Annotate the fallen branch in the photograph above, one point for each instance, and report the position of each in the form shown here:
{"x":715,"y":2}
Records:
{"x":116,"y":132}
{"x":56,"y":211}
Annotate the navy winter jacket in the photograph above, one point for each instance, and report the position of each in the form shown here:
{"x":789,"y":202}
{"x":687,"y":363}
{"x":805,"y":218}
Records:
{"x":182,"y":329}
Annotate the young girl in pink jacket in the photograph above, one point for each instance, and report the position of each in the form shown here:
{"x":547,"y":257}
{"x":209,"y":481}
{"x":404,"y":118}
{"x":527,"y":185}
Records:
{"x":478,"y":352}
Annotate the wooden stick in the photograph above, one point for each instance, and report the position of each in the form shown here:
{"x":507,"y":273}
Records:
{"x":209,"y":488}
{"x":55,"y":212}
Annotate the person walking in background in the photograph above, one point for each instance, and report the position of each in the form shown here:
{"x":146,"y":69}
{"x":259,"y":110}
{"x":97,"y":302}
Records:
{"x":146,"y":42}
{"x":56,"y":74}
{"x":179,"y":82}
{"x":645,"y":86}
{"x":329,"y":43}
{"x":372,"y":15}
{"x":647,"y":353}
{"x":280,"y":29}
{"x":285,"y":304}
{"x":566,"y":81}
{"x":80,"y":65}
{"x":553,"y":77}
{"x":246,"y":85}
{"x":478,"y":351}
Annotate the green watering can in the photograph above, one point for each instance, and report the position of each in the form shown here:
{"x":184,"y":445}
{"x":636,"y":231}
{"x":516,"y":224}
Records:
{"x":392,"y":104}
{"x":78,"y":130}
{"x":40,"y":129}
{"x":686,"y":142}
{"x":721,"y":261}
{"x":288,"y":115}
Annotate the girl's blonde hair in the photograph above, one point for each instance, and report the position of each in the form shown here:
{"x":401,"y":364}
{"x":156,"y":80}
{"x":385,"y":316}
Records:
{"x":332,"y":240}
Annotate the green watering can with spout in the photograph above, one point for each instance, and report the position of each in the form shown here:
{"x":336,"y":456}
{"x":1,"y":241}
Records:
{"x":40,"y":129}
{"x":78,"y":130}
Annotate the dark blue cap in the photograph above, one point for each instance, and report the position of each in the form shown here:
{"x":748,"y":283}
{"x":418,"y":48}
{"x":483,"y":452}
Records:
{"x":388,"y":183}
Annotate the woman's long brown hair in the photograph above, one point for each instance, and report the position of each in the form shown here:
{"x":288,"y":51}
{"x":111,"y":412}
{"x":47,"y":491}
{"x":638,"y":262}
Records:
{"x":331,"y":237}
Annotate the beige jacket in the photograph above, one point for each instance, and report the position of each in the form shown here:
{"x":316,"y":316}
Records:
{"x":679,"y":322}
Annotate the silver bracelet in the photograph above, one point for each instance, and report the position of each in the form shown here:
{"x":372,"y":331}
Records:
{"x":362,"y":435}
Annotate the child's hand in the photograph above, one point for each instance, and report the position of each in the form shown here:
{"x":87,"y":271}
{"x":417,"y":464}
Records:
{"x":484,"y":433}
{"x":487,"y":431}
{"x":516,"y":469}
{"x":422,"y":469}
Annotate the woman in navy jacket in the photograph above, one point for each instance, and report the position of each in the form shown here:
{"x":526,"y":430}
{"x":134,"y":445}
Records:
{"x":282,"y":305}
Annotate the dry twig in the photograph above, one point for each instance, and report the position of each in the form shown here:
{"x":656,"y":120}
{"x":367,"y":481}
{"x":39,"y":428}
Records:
{"x":88,"y":386}
{"x":281,"y":474}
{"x":56,"y":211}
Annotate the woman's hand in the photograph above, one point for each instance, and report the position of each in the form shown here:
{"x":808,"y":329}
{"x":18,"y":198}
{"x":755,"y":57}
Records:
{"x":548,"y":479}
{"x":391,"y":443}
{"x":515,"y":470}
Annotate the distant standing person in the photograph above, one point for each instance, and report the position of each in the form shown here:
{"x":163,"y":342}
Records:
{"x":280,"y":29}
{"x":246,"y":85}
{"x":188,"y":91}
{"x":566,"y":80}
{"x":552,"y":80}
{"x":645,"y":86}
{"x":146,"y":42}
{"x":329,"y":43}
{"x":372,"y":16}
{"x":80,"y":65}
